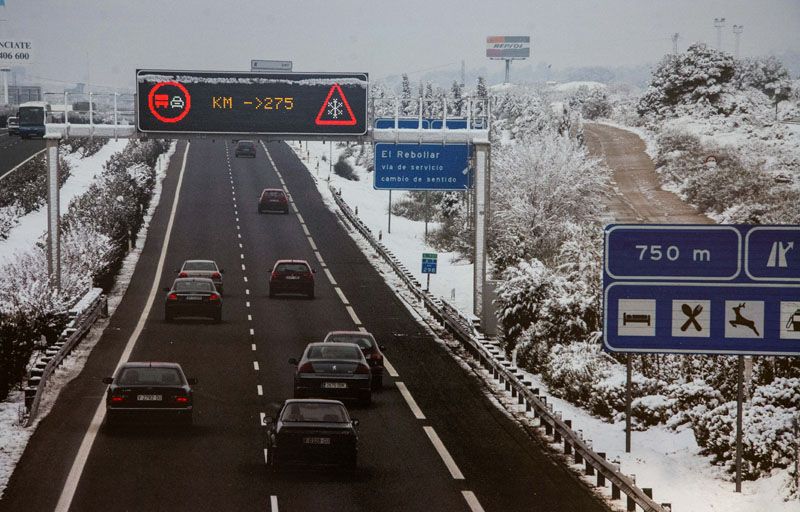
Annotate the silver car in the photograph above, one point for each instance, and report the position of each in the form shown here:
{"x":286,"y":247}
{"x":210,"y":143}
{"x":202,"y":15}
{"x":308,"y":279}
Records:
{"x":203,"y":268}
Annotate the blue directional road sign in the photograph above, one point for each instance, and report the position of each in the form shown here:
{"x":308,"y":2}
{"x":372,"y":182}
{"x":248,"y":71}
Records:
{"x":429,"y":260}
{"x":719,"y":289}
{"x":421,"y":166}
{"x":403,"y":123}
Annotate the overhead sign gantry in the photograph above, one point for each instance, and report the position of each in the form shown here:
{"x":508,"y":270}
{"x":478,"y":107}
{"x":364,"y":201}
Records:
{"x":207,"y":102}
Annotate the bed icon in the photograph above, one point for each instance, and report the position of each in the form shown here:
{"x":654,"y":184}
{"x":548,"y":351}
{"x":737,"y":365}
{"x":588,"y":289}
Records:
{"x":631,"y":318}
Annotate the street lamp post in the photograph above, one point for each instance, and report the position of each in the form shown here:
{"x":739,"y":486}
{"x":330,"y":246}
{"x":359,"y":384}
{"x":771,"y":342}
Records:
{"x":737,"y":32}
{"x":719,"y":23}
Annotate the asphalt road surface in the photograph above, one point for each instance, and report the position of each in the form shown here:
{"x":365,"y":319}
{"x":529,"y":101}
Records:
{"x":456,"y":452}
{"x":638,"y":195}
{"x":15,"y":150}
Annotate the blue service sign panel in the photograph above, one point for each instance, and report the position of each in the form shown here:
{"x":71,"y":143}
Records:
{"x":429,"y":261}
{"x":719,"y":289}
{"x":421,"y":166}
{"x":403,"y":123}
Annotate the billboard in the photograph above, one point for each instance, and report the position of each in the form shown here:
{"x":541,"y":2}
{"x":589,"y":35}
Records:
{"x":212,"y":102}
{"x":508,"y":47}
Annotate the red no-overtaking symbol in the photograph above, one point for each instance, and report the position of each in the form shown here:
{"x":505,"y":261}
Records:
{"x":162,"y":105}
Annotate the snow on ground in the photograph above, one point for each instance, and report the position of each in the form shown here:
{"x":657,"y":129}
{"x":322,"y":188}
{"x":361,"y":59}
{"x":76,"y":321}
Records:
{"x":572,"y":87}
{"x":13,"y":435}
{"x":453,"y":279}
{"x":33,"y":226}
{"x":668,"y":462}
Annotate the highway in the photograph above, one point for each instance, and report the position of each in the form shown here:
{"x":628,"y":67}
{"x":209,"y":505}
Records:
{"x":15,"y":150}
{"x":439,"y":445}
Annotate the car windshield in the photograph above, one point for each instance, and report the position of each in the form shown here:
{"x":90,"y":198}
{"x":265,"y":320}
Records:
{"x":273,"y":193}
{"x":292,"y":267}
{"x":31,"y":115}
{"x":199,"y":265}
{"x":361,"y":340}
{"x":150,"y":376}
{"x":192,"y":286}
{"x":334,"y":352}
{"x":314,"y":412}
{"x":246,"y":144}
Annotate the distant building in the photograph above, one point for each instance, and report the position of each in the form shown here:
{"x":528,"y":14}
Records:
{"x":19,"y":94}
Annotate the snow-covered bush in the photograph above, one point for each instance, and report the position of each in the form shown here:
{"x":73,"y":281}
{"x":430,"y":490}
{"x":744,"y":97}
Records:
{"x":17,"y":338}
{"x":608,"y":395}
{"x":687,"y":396}
{"x":520,"y":296}
{"x":343,"y":168}
{"x":573,"y":370}
{"x":592,"y":102}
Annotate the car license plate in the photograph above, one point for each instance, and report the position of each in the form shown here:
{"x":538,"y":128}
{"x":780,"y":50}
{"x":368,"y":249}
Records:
{"x":316,"y":440}
{"x":334,"y":385}
{"x":194,"y":297}
{"x":292,"y":277}
{"x":149,"y":398}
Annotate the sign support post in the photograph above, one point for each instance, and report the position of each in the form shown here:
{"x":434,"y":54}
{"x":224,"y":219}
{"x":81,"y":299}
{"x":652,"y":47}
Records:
{"x":53,"y":221}
{"x":389,"y":231}
{"x":628,"y":371}
{"x":482,"y":189}
{"x":739,"y":400}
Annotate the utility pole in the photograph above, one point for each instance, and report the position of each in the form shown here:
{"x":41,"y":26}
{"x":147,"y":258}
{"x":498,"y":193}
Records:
{"x":718,"y":24}
{"x":463,"y":73}
{"x":675,"y":37}
{"x":481,"y":211}
{"x":737,"y":33}
{"x":53,"y":217}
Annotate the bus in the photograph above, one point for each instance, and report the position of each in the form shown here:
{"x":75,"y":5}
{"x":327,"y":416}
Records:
{"x":32,"y":116}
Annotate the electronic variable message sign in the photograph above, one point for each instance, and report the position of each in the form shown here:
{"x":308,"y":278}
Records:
{"x":702,"y":289}
{"x":209,"y":102}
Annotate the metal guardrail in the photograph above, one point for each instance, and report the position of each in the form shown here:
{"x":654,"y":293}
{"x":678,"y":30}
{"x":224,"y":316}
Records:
{"x":466,"y":330}
{"x":82,"y":317}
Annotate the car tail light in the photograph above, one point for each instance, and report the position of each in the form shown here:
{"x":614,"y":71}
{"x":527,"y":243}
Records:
{"x":283,"y":199}
{"x":376,"y":357}
{"x":362,"y":368}
{"x":117,"y":399}
{"x":172,"y":296}
{"x":306,"y":368}
{"x":275,"y":274}
{"x":183,"y":274}
{"x":216,"y":275}
{"x":213,"y":296}
{"x":182,"y":399}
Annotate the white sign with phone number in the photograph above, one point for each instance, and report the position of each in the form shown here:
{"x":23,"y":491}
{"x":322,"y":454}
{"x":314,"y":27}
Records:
{"x":15,"y":52}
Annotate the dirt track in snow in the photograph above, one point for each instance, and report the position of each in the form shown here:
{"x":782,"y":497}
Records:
{"x":637,"y":196}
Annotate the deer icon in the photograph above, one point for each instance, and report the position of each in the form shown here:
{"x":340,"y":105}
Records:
{"x":740,"y":320}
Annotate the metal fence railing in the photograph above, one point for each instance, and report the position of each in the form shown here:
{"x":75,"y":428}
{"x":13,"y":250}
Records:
{"x":82,"y":317}
{"x":491,"y":357}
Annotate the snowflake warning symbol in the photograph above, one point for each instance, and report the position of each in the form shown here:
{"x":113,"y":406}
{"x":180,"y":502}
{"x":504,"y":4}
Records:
{"x":335,"y":109}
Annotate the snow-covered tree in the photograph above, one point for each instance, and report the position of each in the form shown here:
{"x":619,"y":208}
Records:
{"x":456,"y":100}
{"x":408,"y":106}
{"x":592,"y":102}
{"x":767,"y":74}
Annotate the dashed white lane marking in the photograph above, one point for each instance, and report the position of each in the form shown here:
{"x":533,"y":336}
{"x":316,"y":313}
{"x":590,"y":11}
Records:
{"x":341,"y":295}
{"x":363,"y":329}
{"x":242,"y":256}
{"x":247,"y":304}
{"x":472,"y":501}
{"x":260,"y":390}
{"x":239,"y":235}
{"x":238,"y":228}
{"x":412,"y":404}
{"x":443,"y":453}
{"x":353,"y":315}
{"x":253,"y":347}
{"x":255,"y":365}
{"x":319,"y":257}
{"x":243,"y":269}
{"x":241,"y":246}
{"x":273,"y":503}
{"x":252,"y":332}
{"x":300,"y":218}
{"x":266,"y":456}
{"x":263,"y":418}
{"x":74,"y":476}
{"x":330,"y":277}
{"x":249,"y":318}
{"x":305,"y":229}
{"x":311,"y":241}
{"x":389,"y":367}
{"x":247,"y":291}
{"x":245,"y":279}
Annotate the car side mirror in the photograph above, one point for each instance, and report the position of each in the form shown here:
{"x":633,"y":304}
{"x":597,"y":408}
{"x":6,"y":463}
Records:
{"x":192,"y":381}
{"x":355,"y":422}
{"x":382,"y":347}
{"x":293,"y":361}
{"x":166,"y":288}
{"x":313,"y":271}
{"x":108,"y":380}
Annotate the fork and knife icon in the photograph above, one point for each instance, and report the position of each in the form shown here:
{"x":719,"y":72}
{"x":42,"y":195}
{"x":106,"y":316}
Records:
{"x":692,"y":313}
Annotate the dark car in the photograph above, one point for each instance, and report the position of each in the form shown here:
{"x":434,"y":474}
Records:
{"x":159,"y":390}
{"x":312,"y":432}
{"x":245,"y":148}
{"x":336,"y":370}
{"x":192,"y":297}
{"x":13,"y":125}
{"x":369,"y":347}
{"x":203,"y":268}
{"x":273,"y":200}
{"x":292,"y":276}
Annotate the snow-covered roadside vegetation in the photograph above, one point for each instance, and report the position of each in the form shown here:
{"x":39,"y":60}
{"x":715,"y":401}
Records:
{"x":95,"y":234}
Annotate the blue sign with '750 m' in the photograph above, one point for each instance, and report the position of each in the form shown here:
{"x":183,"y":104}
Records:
{"x":714,"y":289}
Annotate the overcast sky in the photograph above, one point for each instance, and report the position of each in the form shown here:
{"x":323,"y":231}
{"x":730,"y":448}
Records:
{"x":114,"y":37}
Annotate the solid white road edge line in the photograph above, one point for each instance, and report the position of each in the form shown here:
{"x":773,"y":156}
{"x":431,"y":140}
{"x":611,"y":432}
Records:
{"x":443,"y":453}
{"x":472,"y":501}
{"x":412,"y":404}
{"x":74,"y":476}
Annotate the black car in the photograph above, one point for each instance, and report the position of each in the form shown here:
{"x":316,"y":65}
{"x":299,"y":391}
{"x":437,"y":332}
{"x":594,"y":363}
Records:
{"x":203,"y":268}
{"x":372,"y":351}
{"x":336,"y":370}
{"x":192,"y":297}
{"x":292,"y":276}
{"x":273,"y":200}
{"x":158,"y":390}
{"x":312,"y":432}
{"x":245,"y":148}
